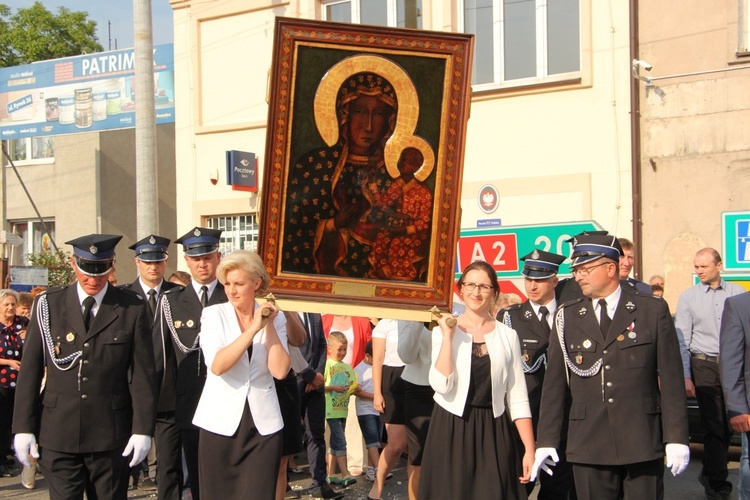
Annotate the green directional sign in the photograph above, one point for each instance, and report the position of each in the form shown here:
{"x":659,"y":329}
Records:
{"x":735,"y":232}
{"x":503,"y":246}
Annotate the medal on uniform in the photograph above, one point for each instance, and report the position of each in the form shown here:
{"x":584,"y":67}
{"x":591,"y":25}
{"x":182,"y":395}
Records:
{"x":57,"y":348}
{"x":620,"y":337}
{"x":525,"y":357}
{"x":70,"y":337}
{"x":632,"y":335}
{"x":177,"y":324}
{"x":587,"y":344}
{"x":579,"y":359}
{"x":189,"y":323}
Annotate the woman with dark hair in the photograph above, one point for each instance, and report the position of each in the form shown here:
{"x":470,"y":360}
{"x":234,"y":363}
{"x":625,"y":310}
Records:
{"x":479,"y":387}
{"x":330,"y":227}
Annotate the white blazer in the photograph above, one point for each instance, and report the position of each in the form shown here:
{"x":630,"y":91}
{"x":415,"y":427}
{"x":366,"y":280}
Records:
{"x":223,"y":399}
{"x":506,"y":372}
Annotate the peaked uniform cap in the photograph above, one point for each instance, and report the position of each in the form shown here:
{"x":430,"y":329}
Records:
{"x":200,"y":241}
{"x":539,"y":265}
{"x":152,"y":248}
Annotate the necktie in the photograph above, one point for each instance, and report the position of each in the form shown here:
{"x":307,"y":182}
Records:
{"x":152,"y":301}
{"x":88,"y":303}
{"x":204,"y":296}
{"x":604,"y":319}
{"x":545,"y":324}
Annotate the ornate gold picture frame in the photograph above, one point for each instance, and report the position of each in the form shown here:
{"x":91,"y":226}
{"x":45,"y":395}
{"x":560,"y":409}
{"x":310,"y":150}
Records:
{"x":363,"y":165}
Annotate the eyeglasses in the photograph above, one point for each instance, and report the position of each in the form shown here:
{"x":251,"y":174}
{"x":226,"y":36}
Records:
{"x":585,"y":271}
{"x":470,"y":287}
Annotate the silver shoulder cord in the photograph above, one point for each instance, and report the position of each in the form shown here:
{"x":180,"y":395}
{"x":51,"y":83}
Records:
{"x":541,"y":360}
{"x":590,"y":372}
{"x":42,"y":310}
{"x":167,"y":310}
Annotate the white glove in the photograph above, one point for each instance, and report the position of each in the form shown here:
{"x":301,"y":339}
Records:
{"x":678,"y":457}
{"x":544,"y":458}
{"x":139,"y":445}
{"x":25,"y":445}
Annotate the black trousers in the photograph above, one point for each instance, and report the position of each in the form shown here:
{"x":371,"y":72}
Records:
{"x":190,"y":439}
{"x":169,"y":478}
{"x":102,"y":475}
{"x":314,"y":413}
{"x":639,"y":481}
{"x":714,"y":420}
{"x":7,"y":398}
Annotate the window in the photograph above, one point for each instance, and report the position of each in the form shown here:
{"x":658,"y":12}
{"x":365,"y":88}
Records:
{"x":240,"y":232}
{"x":398,"y":13}
{"x":523,"y":42}
{"x":744,"y":28}
{"x":28,"y":150}
{"x":35,"y":239}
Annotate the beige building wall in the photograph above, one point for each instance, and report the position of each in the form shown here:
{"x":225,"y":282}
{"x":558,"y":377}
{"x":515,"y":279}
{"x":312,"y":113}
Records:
{"x":695,"y":129}
{"x":90,"y":188}
{"x":555,"y":153}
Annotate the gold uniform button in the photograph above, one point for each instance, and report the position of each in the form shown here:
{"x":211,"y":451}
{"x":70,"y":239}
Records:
{"x":606,"y":367}
{"x":611,"y":400}
{"x":605,"y":351}
{"x":609,"y":384}
{"x":83,"y":396}
{"x":85,"y":379}
{"x":85,"y":344}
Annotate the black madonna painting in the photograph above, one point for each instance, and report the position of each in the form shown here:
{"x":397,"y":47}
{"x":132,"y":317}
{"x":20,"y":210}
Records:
{"x":364,"y":162}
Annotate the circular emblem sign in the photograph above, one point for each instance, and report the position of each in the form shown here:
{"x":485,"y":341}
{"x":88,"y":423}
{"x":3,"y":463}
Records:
{"x":488,"y":199}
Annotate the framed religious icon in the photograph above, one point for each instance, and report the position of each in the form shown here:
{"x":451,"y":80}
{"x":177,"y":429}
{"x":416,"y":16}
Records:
{"x":364,"y":159}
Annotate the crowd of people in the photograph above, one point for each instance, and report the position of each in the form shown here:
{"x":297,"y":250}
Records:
{"x":216,"y":390}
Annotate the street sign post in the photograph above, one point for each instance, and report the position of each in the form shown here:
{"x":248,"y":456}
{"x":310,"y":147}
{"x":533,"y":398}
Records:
{"x":503,"y":246}
{"x":735,"y":236}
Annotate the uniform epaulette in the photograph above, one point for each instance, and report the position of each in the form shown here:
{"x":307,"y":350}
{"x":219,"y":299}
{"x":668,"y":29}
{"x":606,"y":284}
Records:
{"x":54,"y":289}
{"x":570,"y":302}
{"x":511,"y":307}
{"x":128,"y":291}
{"x":178,"y":288}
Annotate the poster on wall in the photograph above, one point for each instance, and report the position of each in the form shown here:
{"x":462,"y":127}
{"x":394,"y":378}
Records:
{"x":364,"y":161}
{"x":93,"y":92}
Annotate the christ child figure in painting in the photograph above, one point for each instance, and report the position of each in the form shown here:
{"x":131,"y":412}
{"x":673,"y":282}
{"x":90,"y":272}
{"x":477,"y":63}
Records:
{"x":401,"y":246}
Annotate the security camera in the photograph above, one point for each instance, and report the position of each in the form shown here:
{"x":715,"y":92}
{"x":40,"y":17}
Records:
{"x":642,"y":64}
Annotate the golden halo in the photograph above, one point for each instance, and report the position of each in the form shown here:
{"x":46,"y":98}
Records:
{"x":324,"y":109}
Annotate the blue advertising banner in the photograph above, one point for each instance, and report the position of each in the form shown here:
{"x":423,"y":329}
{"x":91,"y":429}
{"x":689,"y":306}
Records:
{"x":86,"y":93}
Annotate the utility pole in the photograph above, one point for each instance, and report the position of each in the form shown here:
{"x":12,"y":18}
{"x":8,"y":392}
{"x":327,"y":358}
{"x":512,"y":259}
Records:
{"x":146,"y":180}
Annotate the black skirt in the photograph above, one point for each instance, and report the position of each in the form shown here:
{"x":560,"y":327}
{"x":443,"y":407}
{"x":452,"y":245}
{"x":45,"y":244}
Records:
{"x":473,"y":456}
{"x":393,"y":395}
{"x":290,"y":403}
{"x":418,"y":406}
{"x":246,"y":463}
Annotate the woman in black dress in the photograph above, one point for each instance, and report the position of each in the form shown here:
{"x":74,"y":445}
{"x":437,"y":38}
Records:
{"x":479,"y":389}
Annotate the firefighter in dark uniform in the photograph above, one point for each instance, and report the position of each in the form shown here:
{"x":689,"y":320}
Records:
{"x":182,"y":367}
{"x":151,"y":255}
{"x":98,"y":405}
{"x":532,"y":320}
{"x":615,"y":354}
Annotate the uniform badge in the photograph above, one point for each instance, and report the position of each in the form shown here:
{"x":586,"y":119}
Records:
{"x":630,"y":306}
{"x":620,"y":337}
{"x":177,"y":324}
{"x":189,"y":323}
{"x":535,"y":255}
{"x":579,"y":359}
{"x":527,"y":314}
{"x":525,"y":358}
{"x":582,"y":311}
{"x":632,"y":335}
{"x":152,"y":240}
{"x":57,"y":348}
{"x":197,"y":232}
{"x":70,"y":337}
{"x":93,"y":250}
{"x":586,"y":344}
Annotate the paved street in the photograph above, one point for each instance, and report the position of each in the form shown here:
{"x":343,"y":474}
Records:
{"x":683,"y":487}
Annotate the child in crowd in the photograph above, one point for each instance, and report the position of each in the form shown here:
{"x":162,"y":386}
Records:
{"x":340,"y":384}
{"x":367,"y":415}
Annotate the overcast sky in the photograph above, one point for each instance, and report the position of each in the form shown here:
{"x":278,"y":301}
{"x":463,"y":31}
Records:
{"x":114,"y":19}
